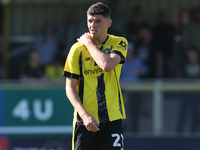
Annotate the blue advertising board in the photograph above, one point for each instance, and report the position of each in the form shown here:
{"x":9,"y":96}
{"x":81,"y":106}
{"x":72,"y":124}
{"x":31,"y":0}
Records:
{"x":64,"y":143}
{"x":162,"y":144}
{"x":1,"y":107}
{"x":48,"y":143}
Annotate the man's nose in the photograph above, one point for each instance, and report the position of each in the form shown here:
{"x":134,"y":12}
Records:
{"x":92,"y":23}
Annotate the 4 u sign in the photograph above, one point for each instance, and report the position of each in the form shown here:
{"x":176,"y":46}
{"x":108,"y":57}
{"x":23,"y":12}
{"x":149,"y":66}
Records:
{"x":31,"y":111}
{"x":41,"y":112}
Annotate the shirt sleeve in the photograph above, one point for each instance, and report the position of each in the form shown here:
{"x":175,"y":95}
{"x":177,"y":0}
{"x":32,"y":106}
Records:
{"x":72,"y":68}
{"x":120,"y":48}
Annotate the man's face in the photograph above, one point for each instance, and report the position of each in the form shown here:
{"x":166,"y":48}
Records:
{"x":98,"y":25}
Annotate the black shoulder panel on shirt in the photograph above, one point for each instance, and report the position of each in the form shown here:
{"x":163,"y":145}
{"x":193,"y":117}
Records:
{"x":71,"y":75}
{"x":120,"y":54}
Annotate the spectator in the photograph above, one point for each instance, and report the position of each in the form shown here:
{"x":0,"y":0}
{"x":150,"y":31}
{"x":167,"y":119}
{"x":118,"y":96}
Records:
{"x":69,"y":31}
{"x":145,"y":50}
{"x":134,"y":67}
{"x":46,"y":43}
{"x":190,"y":102}
{"x":31,"y":69}
{"x":1,"y":71}
{"x":190,"y":67}
{"x":1,"y":65}
{"x":2,"y":75}
{"x":191,"y":31}
{"x":135,"y":24}
{"x":163,"y":33}
{"x":54,"y":71}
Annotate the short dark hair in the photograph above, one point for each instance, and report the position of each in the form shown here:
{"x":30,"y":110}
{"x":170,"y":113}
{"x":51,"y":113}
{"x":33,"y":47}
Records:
{"x":99,"y":9}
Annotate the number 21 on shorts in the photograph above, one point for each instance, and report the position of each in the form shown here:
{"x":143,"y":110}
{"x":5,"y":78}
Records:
{"x":118,"y":142}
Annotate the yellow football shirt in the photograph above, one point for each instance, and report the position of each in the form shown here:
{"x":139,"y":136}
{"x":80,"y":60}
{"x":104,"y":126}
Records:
{"x":98,"y":90}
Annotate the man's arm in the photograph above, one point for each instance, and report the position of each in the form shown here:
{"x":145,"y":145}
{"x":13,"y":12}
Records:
{"x":105,"y":62}
{"x":90,"y":122}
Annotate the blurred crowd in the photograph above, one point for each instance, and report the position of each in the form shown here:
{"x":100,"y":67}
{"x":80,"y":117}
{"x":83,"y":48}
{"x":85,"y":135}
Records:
{"x":162,"y":50}
{"x":159,"y":50}
{"x":166,"y":51}
{"x":49,"y":51}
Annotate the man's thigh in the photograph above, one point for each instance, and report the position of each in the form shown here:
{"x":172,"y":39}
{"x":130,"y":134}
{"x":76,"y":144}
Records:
{"x":112,"y":136}
{"x":85,"y":140}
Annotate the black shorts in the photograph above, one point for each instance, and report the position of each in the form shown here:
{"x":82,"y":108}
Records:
{"x":110,"y":137}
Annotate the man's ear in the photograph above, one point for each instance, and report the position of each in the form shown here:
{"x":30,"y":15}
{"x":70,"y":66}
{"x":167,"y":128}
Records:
{"x":110,"y":23}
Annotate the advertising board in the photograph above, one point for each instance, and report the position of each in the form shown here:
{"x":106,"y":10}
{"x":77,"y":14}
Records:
{"x":35,"y":111}
{"x":40,"y":143}
{"x":162,"y":144}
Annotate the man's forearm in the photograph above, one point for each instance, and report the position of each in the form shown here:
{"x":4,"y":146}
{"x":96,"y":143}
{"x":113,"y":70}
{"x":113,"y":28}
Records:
{"x":100,"y":58}
{"x":75,"y":101}
{"x":90,"y":122}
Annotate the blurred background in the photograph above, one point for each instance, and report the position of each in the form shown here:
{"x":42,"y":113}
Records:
{"x":159,"y":81}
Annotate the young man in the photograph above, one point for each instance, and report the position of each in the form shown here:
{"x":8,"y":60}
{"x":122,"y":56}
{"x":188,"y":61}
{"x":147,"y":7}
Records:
{"x":92,"y":72}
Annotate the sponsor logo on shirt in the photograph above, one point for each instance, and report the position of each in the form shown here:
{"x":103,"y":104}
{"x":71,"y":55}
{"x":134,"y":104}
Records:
{"x":123,"y":44}
{"x":106,"y":51}
{"x":87,"y":58}
{"x":94,"y":71}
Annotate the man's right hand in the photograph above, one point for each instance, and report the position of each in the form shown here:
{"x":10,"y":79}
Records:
{"x":90,"y":122}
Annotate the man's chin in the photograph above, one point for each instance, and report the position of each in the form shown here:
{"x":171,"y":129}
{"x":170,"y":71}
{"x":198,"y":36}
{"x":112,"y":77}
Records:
{"x":93,"y":35}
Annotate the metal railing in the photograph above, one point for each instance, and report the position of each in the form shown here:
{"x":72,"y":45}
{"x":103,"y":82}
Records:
{"x":159,"y":89}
